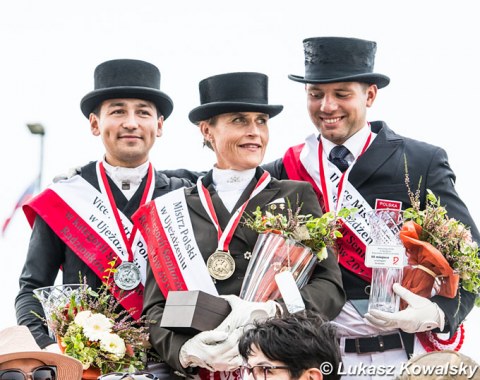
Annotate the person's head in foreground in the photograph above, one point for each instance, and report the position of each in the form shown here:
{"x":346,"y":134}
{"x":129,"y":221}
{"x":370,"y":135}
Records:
{"x":233,"y":118}
{"x":440,"y":365}
{"x":22,"y":359}
{"x":298,"y":346}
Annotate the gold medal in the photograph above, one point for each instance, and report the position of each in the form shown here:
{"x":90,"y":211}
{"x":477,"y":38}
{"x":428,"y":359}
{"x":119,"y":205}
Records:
{"x":221,"y":265}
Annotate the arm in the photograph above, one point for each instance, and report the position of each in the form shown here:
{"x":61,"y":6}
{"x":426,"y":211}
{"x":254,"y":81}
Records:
{"x":441,"y":181}
{"x":165,"y":342}
{"x":189,"y":175}
{"x":276,"y":169}
{"x":44,"y":257}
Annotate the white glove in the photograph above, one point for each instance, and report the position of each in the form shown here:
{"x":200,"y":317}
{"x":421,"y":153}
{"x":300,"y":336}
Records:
{"x":420,"y":315}
{"x":214,"y":350}
{"x":69,"y":174}
{"x":53,"y":348}
{"x":245,"y":312}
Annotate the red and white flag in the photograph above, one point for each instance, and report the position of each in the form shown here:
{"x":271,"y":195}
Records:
{"x":29,"y":192}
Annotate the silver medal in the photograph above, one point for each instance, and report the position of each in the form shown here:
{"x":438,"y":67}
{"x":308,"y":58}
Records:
{"x":127,"y":276}
{"x":221,"y":265}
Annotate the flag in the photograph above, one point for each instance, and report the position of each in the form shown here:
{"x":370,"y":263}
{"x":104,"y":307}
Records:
{"x":27,"y":194}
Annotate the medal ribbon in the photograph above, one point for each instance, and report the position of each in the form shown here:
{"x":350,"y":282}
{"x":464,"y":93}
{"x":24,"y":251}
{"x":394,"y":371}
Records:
{"x":326,"y":185}
{"x":146,"y":196}
{"x":224,"y":237}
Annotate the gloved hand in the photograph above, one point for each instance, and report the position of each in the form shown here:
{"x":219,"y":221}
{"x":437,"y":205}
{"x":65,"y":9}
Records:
{"x":214,"y":350}
{"x":69,"y":174}
{"x":245,"y":312}
{"x":420,"y":315}
{"x":53,"y":348}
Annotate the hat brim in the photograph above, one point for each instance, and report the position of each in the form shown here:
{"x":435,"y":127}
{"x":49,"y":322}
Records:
{"x":209,"y":110}
{"x":68,"y":368}
{"x":379,"y":79}
{"x":162,"y":101}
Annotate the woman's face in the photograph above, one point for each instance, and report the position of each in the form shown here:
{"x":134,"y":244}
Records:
{"x":239,"y":139}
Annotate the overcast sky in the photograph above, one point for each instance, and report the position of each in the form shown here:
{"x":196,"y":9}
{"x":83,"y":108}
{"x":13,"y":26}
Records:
{"x":50,"y":49}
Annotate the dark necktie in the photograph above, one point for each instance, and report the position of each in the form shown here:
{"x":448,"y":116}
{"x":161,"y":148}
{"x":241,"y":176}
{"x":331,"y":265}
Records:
{"x":337,"y":157}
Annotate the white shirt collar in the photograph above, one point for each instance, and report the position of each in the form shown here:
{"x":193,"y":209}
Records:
{"x":354,"y":144}
{"x":227,"y":179}
{"x":127,"y":179}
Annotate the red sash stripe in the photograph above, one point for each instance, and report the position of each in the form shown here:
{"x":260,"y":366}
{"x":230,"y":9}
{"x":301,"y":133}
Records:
{"x":84,"y":241}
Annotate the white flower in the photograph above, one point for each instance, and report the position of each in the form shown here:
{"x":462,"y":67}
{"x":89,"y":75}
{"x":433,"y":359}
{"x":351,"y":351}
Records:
{"x":322,"y":254}
{"x":82,"y":316}
{"x":114,"y":344}
{"x":97,"y":325}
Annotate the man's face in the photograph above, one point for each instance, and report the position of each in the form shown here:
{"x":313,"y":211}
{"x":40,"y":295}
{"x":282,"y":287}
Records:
{"x":339,"y":110}
{"x":239,"y":139}
{"x":128,"y":128}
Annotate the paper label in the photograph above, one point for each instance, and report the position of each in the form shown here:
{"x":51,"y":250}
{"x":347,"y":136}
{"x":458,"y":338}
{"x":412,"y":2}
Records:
{"x":385,"y":256}
{"x":289,"y":291}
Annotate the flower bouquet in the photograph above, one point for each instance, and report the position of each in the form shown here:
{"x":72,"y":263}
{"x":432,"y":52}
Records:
{"x":440,"y":252}
{"x":288,"y":241}
{"x":88,"y":327}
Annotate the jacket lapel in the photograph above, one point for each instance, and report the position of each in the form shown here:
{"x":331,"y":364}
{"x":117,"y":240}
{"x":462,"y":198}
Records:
{"x":381,"y":149}
{"x":263,"y":198}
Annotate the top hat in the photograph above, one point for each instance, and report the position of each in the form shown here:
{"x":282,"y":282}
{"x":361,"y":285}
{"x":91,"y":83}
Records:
{"x":127,"y":78}
{"x":340,"y":59}
{"x":17,"y":342}
{"x":233,"y":92}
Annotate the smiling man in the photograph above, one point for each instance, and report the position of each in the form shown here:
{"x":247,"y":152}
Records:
{"x":82,"y":223}
{"x":352,"y":162}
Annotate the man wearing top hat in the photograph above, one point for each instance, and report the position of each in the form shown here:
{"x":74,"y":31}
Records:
{"x":82,"y":223}
{"x":368,"y":159}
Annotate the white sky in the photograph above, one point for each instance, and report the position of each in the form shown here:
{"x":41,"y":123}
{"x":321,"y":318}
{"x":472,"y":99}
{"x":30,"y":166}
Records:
{"x":50,"y":48}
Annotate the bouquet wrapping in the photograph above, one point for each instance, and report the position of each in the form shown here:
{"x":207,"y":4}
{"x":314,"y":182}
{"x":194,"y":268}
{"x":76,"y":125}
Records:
{"x":428,"y":270}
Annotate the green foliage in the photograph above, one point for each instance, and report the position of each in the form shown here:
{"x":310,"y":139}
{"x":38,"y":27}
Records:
{"x":316,"y":233}
{"x":91,"y":329}
{"x":451,"y":237}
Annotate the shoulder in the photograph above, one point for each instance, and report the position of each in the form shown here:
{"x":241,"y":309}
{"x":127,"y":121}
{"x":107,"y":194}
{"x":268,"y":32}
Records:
{"x":291,"y":185}
{"x":384,"y":131}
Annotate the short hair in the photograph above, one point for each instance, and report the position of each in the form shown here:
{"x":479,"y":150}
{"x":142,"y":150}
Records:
{"x":301,"y":341}
{"x":96,"y":110}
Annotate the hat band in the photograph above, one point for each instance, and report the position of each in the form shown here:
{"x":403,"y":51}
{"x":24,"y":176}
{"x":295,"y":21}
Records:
{"x":327,"y":71}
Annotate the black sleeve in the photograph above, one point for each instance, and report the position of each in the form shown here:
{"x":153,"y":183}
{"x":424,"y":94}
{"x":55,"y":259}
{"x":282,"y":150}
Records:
{"x":189,"y":175}
{"x":44,"y":258}
{"x":276,"y":169}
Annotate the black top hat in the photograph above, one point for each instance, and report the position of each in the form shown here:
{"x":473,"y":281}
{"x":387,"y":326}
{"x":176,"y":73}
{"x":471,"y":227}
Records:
{"x":340,"y":59}
{"x":127,"y":78}
{"x":233,"y":92}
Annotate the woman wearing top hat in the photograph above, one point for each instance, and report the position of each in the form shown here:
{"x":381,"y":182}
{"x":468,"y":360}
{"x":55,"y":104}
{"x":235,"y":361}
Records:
{"x":233,"y":120}
{"x":74,"y":221}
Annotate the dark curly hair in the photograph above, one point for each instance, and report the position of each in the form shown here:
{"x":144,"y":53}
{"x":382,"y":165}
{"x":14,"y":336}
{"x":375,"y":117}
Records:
{"x":301,"y":341}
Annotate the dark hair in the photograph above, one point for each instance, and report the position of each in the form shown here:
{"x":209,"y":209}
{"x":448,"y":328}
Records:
{"x":301,"y":341}
{"x":96,"y":110}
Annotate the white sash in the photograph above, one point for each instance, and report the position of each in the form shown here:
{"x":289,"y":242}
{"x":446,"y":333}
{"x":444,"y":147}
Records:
{"x":93,"y":207}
